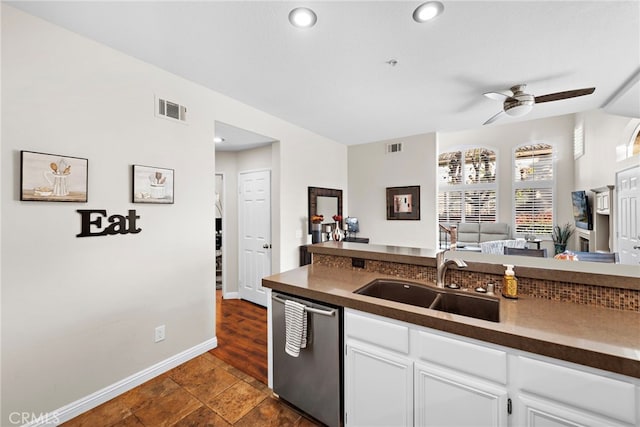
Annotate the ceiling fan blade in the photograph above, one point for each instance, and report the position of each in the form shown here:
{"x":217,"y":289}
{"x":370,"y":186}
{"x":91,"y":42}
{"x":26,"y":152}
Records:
{"x":564,"y":95}
{"x":494,"y":118}
{"x":498,"y":96}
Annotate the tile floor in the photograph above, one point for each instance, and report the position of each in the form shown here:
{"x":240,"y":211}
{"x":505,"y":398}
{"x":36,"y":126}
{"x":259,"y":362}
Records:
{"x":204,"y":391}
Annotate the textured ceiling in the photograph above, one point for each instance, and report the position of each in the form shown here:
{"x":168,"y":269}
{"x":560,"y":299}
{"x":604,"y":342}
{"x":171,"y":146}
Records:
{"x":333,"y":79}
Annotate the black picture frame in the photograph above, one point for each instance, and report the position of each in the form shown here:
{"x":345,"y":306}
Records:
{"x":46,"y":177}
{"x":403,"y":203}
{"x":151,"y":184}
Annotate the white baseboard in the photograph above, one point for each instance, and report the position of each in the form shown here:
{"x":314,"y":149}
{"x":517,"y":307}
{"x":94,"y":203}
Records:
{"x":80,"y":406}
{"x":231,"y":295}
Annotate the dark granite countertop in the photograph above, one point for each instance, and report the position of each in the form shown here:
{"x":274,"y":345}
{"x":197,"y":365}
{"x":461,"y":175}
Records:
{"x":598,"y":337}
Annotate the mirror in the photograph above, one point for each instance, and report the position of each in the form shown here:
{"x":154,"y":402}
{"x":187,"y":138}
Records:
{"x":326,"y":202}
{"x":327,"y":207}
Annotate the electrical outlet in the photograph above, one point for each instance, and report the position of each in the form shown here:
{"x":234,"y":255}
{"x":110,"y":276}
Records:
{"x":160,"y":333}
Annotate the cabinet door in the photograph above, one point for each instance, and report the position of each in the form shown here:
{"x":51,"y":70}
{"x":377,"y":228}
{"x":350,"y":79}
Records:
{"x":535,"y":412}
{"x":443,"y":398}
{"x":378,"y":388}
{"x":568,"y":387}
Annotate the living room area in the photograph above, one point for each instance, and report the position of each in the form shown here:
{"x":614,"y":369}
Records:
{"x":560,"y":187}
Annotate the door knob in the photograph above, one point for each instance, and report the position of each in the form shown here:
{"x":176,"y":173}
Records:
{"x":266,"y":246}
{"x":636,"y":247}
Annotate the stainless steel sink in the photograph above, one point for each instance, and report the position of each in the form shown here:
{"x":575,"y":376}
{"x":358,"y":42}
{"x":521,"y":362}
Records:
{"x":456,"y":302}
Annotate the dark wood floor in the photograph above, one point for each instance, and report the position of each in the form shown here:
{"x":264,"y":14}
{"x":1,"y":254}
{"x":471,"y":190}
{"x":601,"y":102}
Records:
{"x":241,"y":328}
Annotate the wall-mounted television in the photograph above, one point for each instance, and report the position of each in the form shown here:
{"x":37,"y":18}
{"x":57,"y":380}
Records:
{"x":582,"y":210}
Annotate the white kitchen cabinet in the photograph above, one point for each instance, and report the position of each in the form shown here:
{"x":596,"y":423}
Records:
{"x":603,"y":220}
{"x":444,"y":398}
{"x":378,"y":388}
{"x":536,"y":412}
{"x":550,"y":394}
{"x":403,"y":374}
{"x":602,"y":203}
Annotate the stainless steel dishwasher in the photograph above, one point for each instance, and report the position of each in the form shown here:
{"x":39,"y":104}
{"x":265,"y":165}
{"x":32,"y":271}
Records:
{"x":313,"y":380}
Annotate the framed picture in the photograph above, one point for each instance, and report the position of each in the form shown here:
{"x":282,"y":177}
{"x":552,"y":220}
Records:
{"x":403,"y":202}
{"x":152,"y":185}
{"x":53,"y":177}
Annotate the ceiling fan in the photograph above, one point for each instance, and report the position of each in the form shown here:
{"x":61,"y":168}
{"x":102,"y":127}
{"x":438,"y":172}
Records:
{"x":517,"y":103}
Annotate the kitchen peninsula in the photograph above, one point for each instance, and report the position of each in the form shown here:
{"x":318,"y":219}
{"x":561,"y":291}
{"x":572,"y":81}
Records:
{"x":560,"y":348}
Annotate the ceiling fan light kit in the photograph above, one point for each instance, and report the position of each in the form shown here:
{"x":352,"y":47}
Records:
{"x":517,"y":103}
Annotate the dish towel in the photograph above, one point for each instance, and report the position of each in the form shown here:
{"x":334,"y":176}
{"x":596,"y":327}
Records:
{"x":295,"y":322}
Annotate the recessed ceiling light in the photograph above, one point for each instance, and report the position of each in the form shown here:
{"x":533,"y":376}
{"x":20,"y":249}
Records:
{"x":427,"y":11}
{"x":302,"y":17}
{"x":218,"y":139}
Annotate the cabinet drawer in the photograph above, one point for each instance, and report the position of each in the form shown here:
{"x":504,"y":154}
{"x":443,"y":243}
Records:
{"x":606,"y":396}
{"x":474,"y":359}
{"x":379,"y":332}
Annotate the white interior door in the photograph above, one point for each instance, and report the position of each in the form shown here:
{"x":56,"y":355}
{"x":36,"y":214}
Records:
{"x":628,"y":195}
{"x":254,"y":227}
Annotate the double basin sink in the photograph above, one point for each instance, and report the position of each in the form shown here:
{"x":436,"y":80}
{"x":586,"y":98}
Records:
{"x":450,"y":301}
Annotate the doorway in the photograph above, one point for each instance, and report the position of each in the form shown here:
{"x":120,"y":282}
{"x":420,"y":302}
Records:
{"x":219,"y":218}
{"x":238,"y":151}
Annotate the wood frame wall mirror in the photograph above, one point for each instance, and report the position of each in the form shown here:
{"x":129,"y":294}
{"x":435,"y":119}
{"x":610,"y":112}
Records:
{"x":326,"y":202}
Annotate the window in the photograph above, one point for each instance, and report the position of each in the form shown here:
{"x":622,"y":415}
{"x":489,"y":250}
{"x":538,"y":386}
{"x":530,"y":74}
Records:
{"x":631,"y":148}
{"x":533,"y":189}
{"x":467,"y":186}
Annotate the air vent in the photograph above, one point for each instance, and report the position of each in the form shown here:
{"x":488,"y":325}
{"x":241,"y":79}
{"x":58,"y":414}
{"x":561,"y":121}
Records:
{"x":394,"y":147}
{"x":171,"y":110}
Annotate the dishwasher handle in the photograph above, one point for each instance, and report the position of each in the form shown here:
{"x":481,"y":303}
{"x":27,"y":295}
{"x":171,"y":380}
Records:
{"x":329,"y":313}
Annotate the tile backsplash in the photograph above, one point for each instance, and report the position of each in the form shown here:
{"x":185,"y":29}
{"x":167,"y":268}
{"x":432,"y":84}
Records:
{"x":600,"y":296}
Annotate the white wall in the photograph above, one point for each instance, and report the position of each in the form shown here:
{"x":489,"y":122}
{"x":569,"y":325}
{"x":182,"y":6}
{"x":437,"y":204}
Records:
{"x":255,"y":159}
{"x":371,"y":171}
{"x":78,"y":313}
{"x":603,"y":133}
{"x":306,"y":163}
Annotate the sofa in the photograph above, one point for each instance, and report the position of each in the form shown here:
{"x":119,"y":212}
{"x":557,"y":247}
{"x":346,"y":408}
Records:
{"x":470,"y":235}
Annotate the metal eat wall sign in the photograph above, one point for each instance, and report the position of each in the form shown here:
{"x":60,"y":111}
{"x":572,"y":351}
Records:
{"x":92,"y":224}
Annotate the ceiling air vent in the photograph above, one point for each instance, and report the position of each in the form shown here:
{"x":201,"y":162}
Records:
{"x":170,"y":110}
{"x":394,"y":147}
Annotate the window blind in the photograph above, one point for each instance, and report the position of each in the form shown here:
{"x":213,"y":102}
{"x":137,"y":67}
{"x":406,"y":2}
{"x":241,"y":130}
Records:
{"x":533,"y":189}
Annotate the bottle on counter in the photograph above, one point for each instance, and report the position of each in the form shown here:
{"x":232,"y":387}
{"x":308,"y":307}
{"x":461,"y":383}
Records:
{"x":509,"y":283}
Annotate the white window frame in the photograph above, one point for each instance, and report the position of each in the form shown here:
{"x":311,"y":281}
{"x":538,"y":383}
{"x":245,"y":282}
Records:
{"x":515,"y":184}
{"x":463,"y":187}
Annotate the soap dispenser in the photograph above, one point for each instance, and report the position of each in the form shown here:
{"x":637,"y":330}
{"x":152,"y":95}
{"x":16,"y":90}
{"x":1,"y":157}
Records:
{"x":509,"y":283}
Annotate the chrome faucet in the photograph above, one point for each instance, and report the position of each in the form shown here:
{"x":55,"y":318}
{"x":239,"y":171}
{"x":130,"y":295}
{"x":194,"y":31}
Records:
{"x":443,"y":264}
